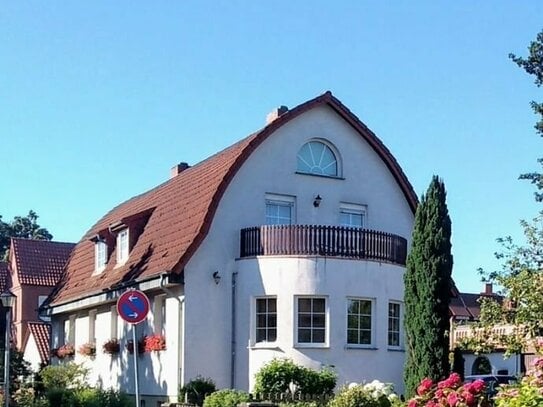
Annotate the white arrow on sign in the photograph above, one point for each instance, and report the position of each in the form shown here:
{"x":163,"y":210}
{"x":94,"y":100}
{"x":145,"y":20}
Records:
{"x":132,"y":298}
{"x":133,"y":315}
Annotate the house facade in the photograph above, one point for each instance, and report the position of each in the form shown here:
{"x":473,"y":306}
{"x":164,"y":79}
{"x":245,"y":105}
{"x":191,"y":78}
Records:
{"x":33,"y":269}
{"x":290,"y":243}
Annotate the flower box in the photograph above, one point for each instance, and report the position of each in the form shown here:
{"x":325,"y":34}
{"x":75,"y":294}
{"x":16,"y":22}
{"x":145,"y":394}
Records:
{"x":111,"y":346}
{"x":154,"y":343}
{"x":65,"y":351}
{"x":130,"y":346}
{"x":87,"y":349}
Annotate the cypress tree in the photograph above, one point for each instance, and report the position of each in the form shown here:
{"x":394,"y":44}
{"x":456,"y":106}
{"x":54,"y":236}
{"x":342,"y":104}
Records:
{"x":427,"y":282}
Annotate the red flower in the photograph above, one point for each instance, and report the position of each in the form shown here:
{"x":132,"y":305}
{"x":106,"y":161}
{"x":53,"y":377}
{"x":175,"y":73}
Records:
{"x":452,"y":399}
{"x":425,"y":385}
{"x":476,"y":387}
{"x":412,"y":403}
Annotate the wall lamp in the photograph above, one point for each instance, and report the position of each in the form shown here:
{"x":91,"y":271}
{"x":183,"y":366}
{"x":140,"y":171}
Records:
{"x":216,"y":277}
{"x":317,"y":201}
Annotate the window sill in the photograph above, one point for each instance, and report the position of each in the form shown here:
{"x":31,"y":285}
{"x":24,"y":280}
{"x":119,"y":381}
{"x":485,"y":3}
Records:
{"x":319,"y":175}
{"x":264,"y":346}
{"x":361,"y":347}
{"x":391,"y":349}
{"x":311,"y":346}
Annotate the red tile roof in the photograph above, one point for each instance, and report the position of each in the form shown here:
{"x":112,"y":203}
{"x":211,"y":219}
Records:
{"x":467,"y":306}
{"x":42,"y":335}
{"x":4,"y":272}
{"x":177,"y":214}
{"x":40,"y":262}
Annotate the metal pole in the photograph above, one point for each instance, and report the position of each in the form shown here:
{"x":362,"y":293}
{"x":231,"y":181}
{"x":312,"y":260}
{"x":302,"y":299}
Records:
{"x":135,"y":353}
{"x":6,"y":357}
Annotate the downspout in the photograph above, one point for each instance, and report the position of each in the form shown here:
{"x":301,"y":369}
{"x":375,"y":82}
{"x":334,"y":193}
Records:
{"x":181,"y":357}
{"x":233,"y":338}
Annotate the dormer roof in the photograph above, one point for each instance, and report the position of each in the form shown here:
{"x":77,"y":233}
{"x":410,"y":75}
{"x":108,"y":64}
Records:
{"x":180,"y":211}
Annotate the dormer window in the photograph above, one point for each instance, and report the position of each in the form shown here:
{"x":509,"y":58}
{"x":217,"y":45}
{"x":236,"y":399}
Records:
{"x":100,"y":255}
{"x":317,"y":158}
{"x":122,"y":246}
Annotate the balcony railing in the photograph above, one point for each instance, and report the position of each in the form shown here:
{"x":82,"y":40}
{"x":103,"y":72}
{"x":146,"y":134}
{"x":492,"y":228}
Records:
{"x":318,"y":240}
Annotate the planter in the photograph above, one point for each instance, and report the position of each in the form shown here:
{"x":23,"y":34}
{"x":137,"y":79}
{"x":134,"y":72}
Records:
{"x":111,"y":347}
{"x":65,"y":351}
{"x":154,"y":343}
{"x":87,"y":349}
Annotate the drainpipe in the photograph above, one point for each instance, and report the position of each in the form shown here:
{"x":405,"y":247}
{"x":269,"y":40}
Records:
{"x":233,"y":338}
{"x":181,"y":358}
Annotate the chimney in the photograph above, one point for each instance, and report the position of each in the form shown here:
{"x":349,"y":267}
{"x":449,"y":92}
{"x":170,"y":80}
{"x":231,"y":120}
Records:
{"x":178,"y":169}
{"x":488,"y":289}
{"x":275,"y":113}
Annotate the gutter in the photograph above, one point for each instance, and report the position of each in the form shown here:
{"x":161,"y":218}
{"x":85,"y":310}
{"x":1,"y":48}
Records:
{"x":233,"y":337}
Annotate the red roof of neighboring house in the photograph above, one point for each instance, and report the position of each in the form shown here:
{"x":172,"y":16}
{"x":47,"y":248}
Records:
{"x":4,"y":272}
{"x":39,"y":262}
{"x":42,"y":335}
{"x":467,"y":306}
{"x":175,"y":217}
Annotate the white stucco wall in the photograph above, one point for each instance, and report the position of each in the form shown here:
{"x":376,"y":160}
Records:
{"x":271,"y":169}
{"x":159,"y":372}
{"x":32,"y":354}
{"x":497,"y":361}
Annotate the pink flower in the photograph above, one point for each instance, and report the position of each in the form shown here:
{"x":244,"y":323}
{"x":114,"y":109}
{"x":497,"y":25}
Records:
{"x":425,"y":385}
{"x":468,"y":398}
{"x":475,"y":387}
{"x":452,"y":399}
{"x":412,"y":403}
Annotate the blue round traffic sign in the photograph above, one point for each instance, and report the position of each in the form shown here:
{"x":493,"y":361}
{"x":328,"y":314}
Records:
{"x":133,"y":306}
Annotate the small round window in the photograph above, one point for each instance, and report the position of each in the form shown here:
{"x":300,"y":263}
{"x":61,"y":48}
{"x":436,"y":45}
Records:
{"x":317,"y":158}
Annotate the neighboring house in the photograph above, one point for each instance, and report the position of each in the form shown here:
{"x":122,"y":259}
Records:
{"x":290,"y":243}
{"x":465,"y":309}
{"x":35,"y":267}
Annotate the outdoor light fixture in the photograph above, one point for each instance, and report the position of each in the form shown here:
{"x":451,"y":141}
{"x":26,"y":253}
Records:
{"x":317,"y":201}
{"x":8,"y":301}
{"x":216,"y":277}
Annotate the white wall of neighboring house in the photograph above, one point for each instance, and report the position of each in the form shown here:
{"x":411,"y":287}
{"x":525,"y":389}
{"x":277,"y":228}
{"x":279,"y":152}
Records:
{"x":32,"y":354}
{"x":158,"y":371}
{"x":497,"y":360}
{"x":271,"y":169}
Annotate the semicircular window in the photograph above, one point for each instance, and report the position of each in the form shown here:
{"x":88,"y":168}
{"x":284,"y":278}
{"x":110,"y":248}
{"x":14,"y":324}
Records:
{"x":317,"y":158}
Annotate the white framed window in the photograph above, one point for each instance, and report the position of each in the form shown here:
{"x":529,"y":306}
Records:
{"x":311,"y":321}
{"x":122,"y":246}
{"x":265,"y":319}
{"x":360,"y":321}
{"x":100,"y":256}
{"x":317,"y":158}
{"x":394,"y":324}
{"x":280,"y":209}
{"x":352,"y":215}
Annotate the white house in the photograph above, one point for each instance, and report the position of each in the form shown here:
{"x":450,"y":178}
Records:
{"x":290,"y":243}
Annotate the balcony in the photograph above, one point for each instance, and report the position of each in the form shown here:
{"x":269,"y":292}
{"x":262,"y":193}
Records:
{"x":316,"y":240}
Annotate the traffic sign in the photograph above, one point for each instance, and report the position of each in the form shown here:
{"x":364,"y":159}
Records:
{"x":133,"y":306}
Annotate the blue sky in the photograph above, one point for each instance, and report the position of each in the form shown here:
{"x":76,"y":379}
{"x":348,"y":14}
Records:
{"x":99,"y":99}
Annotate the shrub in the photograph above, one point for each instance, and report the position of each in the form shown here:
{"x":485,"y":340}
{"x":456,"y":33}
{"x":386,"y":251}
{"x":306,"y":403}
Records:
{"x":196,"y":390}
{"x":449,"y":392}
{"x":374,"y":394}
{"x":226,"y":398}
{"x":69,"y":375}
{"x":529,"y":392}
{"x":275,"y":377}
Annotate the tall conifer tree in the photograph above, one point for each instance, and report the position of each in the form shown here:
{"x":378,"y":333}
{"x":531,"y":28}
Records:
{"x":427,"y":290}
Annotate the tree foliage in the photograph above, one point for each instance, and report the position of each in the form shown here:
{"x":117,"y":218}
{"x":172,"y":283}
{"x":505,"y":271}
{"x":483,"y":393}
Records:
{"x":21,"y":226}
{"x":427,"y":290}
{"x":521,"y":279}
{"x":533,"y":65}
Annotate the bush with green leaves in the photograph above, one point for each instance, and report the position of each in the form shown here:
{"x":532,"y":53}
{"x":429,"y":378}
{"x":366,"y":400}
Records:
{"x":64,"y":376}
{"x":196,"y":390}
{"x":226,"y":398}
{"x":374,"y":394}
{"x":275,"y":377}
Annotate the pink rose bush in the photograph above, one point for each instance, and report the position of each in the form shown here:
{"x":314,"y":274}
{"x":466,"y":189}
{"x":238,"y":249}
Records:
{"x":528,"y":392}
{"x":449,"y":393}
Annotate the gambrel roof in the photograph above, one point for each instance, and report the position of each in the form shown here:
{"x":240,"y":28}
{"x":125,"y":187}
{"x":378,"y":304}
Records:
{"x":173,"y":219}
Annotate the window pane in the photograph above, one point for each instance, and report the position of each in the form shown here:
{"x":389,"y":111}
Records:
{"x":365,"y":337}
{"x":317,"y":158}
{"x":304,"y":304}
{"x":261,"y":305}
{"x":272,"y":335}
{"x":352,"y":336}
{"x":318,"y":336}
{"x":304,"y":320}
{"x":365,"y":307}
{"x":318,"y":305}
{"x":352,"y":321}
{"x":261,"y":320}
{"x":272,"y":305}
{"x":272,"y":320}
{"x":260,"y":335}
{"x":365,"y":322}
{"x":354,"y":307}
{"x":304,"y":335}
{"x":318,"y":321}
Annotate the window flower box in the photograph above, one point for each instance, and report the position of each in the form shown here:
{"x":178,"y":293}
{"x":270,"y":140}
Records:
{"x":65,"y":351}
{"x":154,"y":343}
{"x":140,"y":346}
{"x":111,"y":346}
{"x":87,"y":349}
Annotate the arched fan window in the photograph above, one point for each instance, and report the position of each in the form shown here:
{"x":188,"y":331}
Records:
{"x":317,"y":158}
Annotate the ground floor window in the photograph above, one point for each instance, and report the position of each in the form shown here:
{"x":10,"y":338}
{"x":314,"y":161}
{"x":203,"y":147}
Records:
{"x":359,"y":321}
{"x":311,"y":320}
{"x":266,"y":319}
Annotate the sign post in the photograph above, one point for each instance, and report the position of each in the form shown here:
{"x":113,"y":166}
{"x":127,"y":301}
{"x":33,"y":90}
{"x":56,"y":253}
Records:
{"x":133,"y":307}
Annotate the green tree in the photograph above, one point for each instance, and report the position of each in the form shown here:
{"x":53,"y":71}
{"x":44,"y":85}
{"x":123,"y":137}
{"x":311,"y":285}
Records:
{"x":427,"y":290}
{"x":21,"y":226}
{"x":533,"y":65}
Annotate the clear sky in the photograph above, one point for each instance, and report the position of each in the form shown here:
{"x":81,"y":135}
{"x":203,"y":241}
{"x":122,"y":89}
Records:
{"x":99,"y":99}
